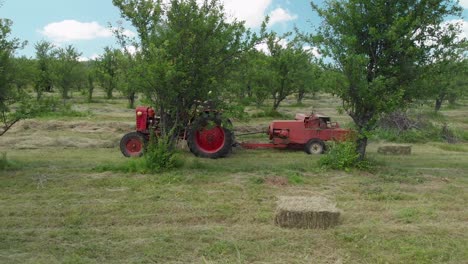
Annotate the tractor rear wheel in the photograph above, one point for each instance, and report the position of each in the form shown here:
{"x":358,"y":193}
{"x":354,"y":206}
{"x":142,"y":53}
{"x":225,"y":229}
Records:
{"x":133,"y":144}
{"x":207,"y":138}
{"x":315,"y":146}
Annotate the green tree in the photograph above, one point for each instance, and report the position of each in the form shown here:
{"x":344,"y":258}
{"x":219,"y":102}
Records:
{"x":186,"y":51}
{"x":380,"y":46}
{"x":67,"y":72}
{"x":290,"y":65}
{"x":45,"y":56}
{"x":24,"y":72}
{"x":107,"y":68}
{"x":128,"y":83}
{"x":260,"y":73}
{"x":9,"y":96}
{"x":308,"y":78}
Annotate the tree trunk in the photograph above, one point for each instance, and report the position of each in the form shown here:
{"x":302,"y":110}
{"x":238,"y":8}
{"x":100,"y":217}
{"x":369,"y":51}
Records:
{"x":438,"y":104}
{"x":109,"y":93}
{"x":300,"y":97}
{"x":361,"y":147}
{"x":276,"y":103}
{"x":131,"y":100}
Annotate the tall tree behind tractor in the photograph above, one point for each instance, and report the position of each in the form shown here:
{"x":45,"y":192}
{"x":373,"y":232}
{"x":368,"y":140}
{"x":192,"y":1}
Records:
{"x":184,"y":50}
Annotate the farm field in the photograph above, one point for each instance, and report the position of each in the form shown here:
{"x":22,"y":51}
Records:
{"x":64,"y":202}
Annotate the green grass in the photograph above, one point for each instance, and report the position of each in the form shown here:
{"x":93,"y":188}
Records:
{"x":84,"y":205}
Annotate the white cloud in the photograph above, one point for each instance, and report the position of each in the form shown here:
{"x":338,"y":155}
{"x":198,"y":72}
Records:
{"x":462,"y":24}
{"x":279,"y":15}
{"x":464,"y":3}
{"x":92,"y":57}
{"x":263,"y":46}
{"x":70,"y":30}
{"x":313,"y":50}
{"x":131,"y":49}
{"x":251,"y":11}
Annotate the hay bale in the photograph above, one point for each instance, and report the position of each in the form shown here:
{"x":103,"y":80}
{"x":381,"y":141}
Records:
{"x":395,"y":150}
{"x":306,"y":212}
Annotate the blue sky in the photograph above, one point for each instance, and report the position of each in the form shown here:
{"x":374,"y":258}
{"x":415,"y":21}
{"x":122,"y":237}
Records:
{"x":84,"y":23}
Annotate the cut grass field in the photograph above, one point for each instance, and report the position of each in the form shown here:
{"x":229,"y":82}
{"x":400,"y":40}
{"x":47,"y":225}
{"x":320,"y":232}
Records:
{"x":59,"y":203}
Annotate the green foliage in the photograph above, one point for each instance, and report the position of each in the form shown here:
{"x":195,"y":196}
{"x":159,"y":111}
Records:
{"x":68,"y":73}
{"x":342,"y":156}
{"x":160,"y":155}
{"x":53,"y":107}
{"x":45,"y":53}
{"x":286,"y":68}
{"x":380,"y":48}
{"x":186,"y":51}
{"x":107,"y":68}
{"x":9,"y":96}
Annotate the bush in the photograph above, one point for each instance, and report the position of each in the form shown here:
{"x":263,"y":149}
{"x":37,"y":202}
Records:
{"x":54,"y":107}
{"x":160,"y":155}
{"x":342,"y":156}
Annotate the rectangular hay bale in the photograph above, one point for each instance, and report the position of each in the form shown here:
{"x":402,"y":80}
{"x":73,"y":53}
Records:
{"x":306,"y":212}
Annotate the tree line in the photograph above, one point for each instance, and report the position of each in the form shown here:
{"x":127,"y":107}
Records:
{"x":376,"y":55}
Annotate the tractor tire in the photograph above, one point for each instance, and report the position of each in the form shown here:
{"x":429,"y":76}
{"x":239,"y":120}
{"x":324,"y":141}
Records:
{"x":315,"y":147}
{"x":133,"y":144}
{"x":208,"y":138}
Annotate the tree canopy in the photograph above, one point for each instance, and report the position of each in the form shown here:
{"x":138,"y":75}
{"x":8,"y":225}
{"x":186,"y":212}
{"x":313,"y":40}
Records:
{"x":380,"y":46}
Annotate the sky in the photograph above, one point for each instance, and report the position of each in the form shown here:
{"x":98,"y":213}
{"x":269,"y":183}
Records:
{"x":85,"y":23}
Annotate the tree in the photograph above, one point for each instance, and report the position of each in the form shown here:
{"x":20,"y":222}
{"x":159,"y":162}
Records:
{"x":24,"y":70}
{"x":67,"y":70}
{"x":186,"y":51}
{"x":290,"y":65}
{"x":9,"y":96}
{"x":45,"y":53}
{"x":380,"y":46}
{"x":308,"y":78}
{"x":107,"y":68}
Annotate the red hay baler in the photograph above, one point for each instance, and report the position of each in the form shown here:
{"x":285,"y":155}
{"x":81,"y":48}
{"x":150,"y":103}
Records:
{"x":307,"y":132}
{"x":207,"y":135}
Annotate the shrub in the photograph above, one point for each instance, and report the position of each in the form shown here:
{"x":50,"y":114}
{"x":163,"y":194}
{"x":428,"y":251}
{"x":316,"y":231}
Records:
{"x":54,"y":107}
{"x":342,"y":156}
{"x":160,"y":155}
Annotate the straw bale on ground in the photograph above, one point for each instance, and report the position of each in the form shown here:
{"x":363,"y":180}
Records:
{"x":395,"y":150}
{"x":306,"y":212}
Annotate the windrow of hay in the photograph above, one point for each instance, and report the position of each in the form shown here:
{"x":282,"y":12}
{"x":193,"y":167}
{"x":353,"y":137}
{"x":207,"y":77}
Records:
{"x":79,"y":126}
{"x":395,"y":150}
{"x":262,"y":128}
{"x":306,"y":212}
{"x":37,"y":142}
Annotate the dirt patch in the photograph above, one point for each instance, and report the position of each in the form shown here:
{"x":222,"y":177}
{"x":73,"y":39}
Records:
{"x":276,"y":181}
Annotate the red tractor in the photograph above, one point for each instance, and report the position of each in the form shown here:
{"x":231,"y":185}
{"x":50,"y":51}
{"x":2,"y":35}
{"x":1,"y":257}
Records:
{"x":209,"y":137}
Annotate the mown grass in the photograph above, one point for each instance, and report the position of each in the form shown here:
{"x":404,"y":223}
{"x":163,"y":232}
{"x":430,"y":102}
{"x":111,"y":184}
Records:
{"x":83,"y":205}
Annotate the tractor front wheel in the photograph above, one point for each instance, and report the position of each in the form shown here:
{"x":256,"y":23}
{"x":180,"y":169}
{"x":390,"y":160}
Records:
{"x":315,"y":146}
{"x":207,"y":138}
{"x":133,"y":144}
